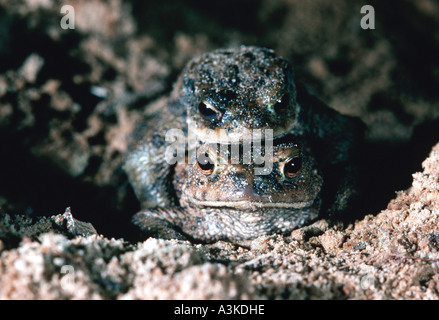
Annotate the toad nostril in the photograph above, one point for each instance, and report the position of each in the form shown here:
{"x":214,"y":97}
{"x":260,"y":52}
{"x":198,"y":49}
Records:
{"x":242,"y":184}
{"x":249,"y":191}
{"x":254,"y":188}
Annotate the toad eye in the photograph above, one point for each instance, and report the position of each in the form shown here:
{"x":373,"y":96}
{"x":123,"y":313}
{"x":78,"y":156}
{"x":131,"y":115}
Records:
{"x":282,"y":104}
{"x":292,"y":167}
{"x":205,"y":164}
{"x":208,"y":111}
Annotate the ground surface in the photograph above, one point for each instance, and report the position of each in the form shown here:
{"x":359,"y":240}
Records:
{"x":70,"y":100}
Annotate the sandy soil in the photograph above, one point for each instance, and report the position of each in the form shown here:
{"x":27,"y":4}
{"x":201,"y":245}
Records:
{"x":70,"y":101}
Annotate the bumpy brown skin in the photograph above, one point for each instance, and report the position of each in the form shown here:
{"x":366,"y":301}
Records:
{"x":242,"y":84}
{"x":239,"y":90}
{"x":233,"y":202}
{"x":247,"y":88}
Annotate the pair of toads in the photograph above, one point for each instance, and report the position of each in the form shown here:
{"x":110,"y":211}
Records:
{"x":208,"y":186}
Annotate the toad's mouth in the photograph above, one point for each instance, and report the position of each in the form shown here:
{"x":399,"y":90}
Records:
{"x":245,"y":204}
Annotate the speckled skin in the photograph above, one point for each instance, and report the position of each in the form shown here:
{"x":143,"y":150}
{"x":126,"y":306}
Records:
{"x":237,"y":90}
{"x":233,"y":203}
{"x":249,"y":88}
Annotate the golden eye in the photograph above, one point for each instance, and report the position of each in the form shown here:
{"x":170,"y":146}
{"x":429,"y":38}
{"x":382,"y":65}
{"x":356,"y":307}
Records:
{"x":205,"y":164}
{"x":292,"y":167}
{"x":208,"y":111}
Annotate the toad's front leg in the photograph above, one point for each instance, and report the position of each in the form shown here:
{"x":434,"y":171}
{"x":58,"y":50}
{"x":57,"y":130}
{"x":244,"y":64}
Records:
{"x":156,"y":222}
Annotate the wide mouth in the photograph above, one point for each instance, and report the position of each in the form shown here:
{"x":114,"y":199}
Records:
{"x":245,"y":204}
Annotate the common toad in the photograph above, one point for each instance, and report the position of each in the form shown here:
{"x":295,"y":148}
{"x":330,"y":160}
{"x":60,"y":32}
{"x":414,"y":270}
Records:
{"x":223,"y":97}
{"x":222,"y":200}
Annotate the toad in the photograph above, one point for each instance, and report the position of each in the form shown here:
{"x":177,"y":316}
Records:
{"x":218,"y":199}
{"x":224,"y":96}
